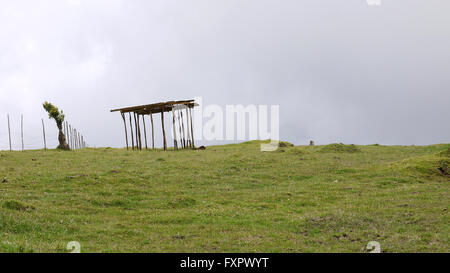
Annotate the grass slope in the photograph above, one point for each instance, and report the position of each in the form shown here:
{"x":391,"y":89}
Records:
{"x":231,"y":198}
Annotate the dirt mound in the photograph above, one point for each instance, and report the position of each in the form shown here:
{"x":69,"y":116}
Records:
{"x":340,"y":148}
{"x":283,"y":144}
{"x":16,"y":205}
{"x":443,"y":168}
{"x":445,"y":153}
{"x":428,"y":166}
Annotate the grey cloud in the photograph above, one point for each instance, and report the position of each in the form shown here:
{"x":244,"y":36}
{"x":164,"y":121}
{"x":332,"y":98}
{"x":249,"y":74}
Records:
{"x":341,"y":71}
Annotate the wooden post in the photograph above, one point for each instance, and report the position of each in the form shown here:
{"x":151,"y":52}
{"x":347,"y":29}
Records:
{"x":131,"y":130}
{"x":69,"y":128}
{"x":164,"y":131}
{"x":43,"y":131}
{"x":175,"y":145}
{"x":145,"y":132}
{"x":67,"y":132}
{"x":75,"y":137}
{"x":21,"y":130}
{"x":9,"y":133}
{"x":125,"y":125}
{"x":187,"y":129}
{"x":139,"y":131}
{"x":70,"y":133}
{"x":72,"y":137}
{"x":182,"y":125}
{"x":179,"y":129}
{"x":192,"y":127}
{"x":136,"y":131}
{"x":153,"y":132}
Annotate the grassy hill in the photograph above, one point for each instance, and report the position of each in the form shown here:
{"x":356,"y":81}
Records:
{"x":231,"y":198}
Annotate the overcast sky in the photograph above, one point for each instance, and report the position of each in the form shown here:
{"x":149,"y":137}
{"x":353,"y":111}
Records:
{"x":341,"y":70}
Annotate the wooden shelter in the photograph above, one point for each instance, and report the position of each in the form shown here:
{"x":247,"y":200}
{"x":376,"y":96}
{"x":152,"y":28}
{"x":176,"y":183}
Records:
{"x":138,"y":113}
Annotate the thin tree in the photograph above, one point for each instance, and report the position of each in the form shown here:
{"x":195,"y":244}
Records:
{"x":58,"y":116}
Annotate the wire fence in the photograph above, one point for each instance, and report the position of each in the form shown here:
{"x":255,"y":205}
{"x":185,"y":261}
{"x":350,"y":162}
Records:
{"x":17,"y":138}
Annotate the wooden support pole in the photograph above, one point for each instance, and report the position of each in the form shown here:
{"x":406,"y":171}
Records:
{"x":72,"y":136}
{"x":187,"y":128}
{"x":164,"y":130}
{"x":132,"y":134}
{"x":179,"y":128}
{"x":76,"y":140}
{"x":21,"y":130}
{"x":145,"y":132}
{"x":125,"y":125}
{"x":69,"y":129}
{"x":9,"y":133}
{"x":175,"y":145}
{"x":139,"y":131}
{"x":66,"y":132}
{"x":184,"y":132}
{"x":192,"y":128}
{"x":138,"y":140}
{"x":43,"y":131}
{"x":136,"y":131}
{"x":153,"y":131}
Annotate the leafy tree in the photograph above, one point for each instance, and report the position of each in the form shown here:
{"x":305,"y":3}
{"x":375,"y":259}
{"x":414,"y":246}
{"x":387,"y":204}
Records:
{"x":58,"y":116}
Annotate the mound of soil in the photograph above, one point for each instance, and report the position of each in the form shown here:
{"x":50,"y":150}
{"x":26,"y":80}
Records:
{"x":16,"y":205}
{"x":429,"y":166}
{"x":443,"y":168}
{"x":445,"y":153}
{"x":340,"y":148}
{"x":283,"y":144}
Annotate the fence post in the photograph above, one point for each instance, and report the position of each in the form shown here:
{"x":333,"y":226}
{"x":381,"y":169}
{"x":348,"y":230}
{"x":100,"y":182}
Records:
{"x":9,"y":133}
{"x":21,"y":130}
{"x":67,"y":133}
{"x":43,"y":131}
{"x":71,"y":137}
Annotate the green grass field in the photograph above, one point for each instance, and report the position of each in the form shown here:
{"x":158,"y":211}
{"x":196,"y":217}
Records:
{"x":230,"y":198}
